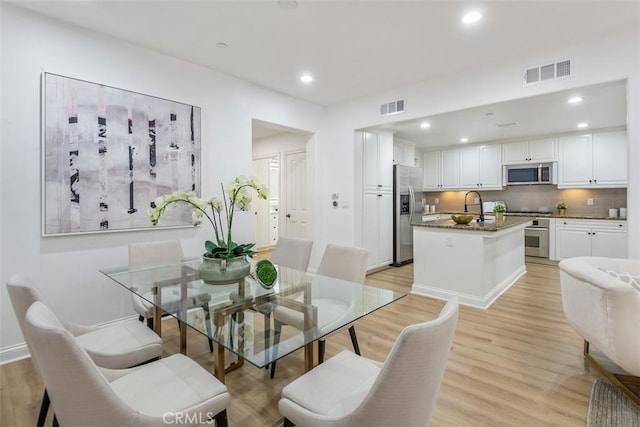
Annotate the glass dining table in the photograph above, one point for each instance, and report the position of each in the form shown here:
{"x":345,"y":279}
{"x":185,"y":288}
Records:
{"x":238,"y":316}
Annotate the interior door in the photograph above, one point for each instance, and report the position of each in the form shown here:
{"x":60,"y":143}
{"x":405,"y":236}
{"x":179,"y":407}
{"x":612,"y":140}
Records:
{"x":295,"y":186}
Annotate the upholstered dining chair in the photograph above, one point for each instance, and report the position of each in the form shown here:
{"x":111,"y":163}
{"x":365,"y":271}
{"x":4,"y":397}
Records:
{"x":152,"y":254}
{"x":350,"y":390}
{"x":117,"y":345}
{"x":347,"y":263}
{"x":289,"y":252}
{"x":173,"y":390}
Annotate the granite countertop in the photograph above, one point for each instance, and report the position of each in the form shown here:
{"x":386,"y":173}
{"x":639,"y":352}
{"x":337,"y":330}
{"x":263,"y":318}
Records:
{"x":508,"y":222}
{"x":538,"y":215}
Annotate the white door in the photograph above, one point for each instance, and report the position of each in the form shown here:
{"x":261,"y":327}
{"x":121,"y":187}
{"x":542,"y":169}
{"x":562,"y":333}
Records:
{"x":295,"y":186}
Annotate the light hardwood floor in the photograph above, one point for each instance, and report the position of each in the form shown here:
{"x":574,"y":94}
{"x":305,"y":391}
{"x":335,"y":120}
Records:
{"x":516,"y":364}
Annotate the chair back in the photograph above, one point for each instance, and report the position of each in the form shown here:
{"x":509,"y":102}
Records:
{"x":405,"y":391}
{"x":80,"y":394}
{"x":344,"y":262}
{"x":291,"y":252}
{"x":22,"y":295}
{"x":152,"y":254}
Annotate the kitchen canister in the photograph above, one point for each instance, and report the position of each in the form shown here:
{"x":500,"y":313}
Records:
{"x":613,"y":213}
{"x":623,"y":212}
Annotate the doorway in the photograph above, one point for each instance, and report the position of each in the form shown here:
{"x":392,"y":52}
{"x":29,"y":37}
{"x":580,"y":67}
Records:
{"x":280,"y":162}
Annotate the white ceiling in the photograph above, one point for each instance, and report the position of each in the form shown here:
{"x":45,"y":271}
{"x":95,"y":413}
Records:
{"x":353,"y":48}
{"x":604,"y":106}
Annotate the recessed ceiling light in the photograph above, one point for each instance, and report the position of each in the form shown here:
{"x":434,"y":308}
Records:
{"x":583,"y":125}
{"x":306,"y":78}
{"x":575,"y":100}
{"x":222,"y":45}
{"x":425,"y":125}
{"x":464,"y":139}
{"x":471,"y":17}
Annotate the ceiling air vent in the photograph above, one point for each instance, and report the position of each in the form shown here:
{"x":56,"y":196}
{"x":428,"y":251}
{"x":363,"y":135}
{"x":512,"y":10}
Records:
{"x":547,"y":72}
{"x":393,"y":107}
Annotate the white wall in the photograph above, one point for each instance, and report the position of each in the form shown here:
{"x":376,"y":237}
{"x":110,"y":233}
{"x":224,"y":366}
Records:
{"x":66,"y":268}
{"x":613,"y":57}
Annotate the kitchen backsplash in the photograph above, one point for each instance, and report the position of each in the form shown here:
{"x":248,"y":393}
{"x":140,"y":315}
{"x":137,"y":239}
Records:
{"x":540,"y":198}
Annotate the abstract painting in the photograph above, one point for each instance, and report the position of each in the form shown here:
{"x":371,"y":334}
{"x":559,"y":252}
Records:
{"x":108,"y":153}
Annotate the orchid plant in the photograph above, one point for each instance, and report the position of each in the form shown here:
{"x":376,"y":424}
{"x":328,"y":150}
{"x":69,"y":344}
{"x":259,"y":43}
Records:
{"x":213,"y":209}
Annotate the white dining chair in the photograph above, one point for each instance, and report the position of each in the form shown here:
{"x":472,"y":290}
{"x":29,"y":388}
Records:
{"x":347,"y":263}
{"x":173,"y":390}
{"x":153,"y":254}
{"x":289,"y":252}
{"x":350,"y":390}
{"x":117,"y":345}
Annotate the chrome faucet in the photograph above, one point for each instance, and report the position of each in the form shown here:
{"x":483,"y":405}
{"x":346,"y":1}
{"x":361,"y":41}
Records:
{"x":479,"y":198}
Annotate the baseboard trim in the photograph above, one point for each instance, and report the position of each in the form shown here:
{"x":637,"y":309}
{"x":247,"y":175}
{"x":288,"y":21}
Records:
{"x":467,"y":299}
{"x":14,"y":353}
{"x":17,"y":352}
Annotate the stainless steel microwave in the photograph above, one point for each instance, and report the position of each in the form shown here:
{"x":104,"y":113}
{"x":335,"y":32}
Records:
{"x":539,"y":173}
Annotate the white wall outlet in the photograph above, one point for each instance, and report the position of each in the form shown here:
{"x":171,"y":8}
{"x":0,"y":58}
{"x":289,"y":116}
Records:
{"x":436,"y":201}
{"x":590,"y":201}
{"x":345,"y":204}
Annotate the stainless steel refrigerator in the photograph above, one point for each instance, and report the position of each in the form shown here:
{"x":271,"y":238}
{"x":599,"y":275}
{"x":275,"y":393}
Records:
{"x":407,"y":202}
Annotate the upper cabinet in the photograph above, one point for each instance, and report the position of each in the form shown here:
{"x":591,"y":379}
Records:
{"x":404,"y":153}
{"x":441,"y":169}
{"x":591,"y":161}
{"x":377,"y":162}
{"x":480,"y":167}
{"x":539,"y":150}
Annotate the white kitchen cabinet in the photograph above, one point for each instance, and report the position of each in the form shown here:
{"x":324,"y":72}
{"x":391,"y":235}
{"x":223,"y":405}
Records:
{"x":441,"y":170}
{"x":404,"y":153}
{"x":377,"y":162}
{"x":481,"y":167}
{"x":593,"y":161}
{"x":538,"y":150}
{"x":576,"y":237}
{"x":377,"y":230}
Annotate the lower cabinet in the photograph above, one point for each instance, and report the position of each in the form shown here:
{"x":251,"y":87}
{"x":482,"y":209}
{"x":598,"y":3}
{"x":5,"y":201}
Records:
{"x":377,"y":232}
{"x":604,"y":238}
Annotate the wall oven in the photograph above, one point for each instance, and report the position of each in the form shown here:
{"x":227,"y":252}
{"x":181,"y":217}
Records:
{"x":536,"y":238}
{"x":541,"y":173}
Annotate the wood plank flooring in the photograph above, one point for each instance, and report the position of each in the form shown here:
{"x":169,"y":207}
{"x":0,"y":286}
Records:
{"x":516,"y":364}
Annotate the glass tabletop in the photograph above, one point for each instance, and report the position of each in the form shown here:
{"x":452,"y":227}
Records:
{"x":240,"y":316}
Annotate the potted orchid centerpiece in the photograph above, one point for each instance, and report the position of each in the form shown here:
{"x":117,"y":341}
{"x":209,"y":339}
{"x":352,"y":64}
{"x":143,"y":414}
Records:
{"x":224,"y":261}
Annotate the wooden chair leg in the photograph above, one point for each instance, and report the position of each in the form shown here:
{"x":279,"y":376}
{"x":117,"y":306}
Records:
{"x":613,"y":378}
{"x":267,"y":336}
{"x":321,"y":347}
{"x":207,"y":324}
{"x":55,"y":421}
{"x":141,"y":318}
{"x":44,"y":408}
{"x":354,"y":339}
{"x":288,"y":423}
{"x":221,"y":419}
{"x":277,"y":327}
{"x":150,"y":323}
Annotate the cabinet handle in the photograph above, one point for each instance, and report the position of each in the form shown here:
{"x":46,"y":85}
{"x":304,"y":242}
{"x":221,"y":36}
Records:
{"x":595,"y":181}
{"x":619,"y":225}
{"x":590,"y":181}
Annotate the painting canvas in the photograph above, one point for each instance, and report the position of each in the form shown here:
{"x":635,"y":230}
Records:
{"x":108,"y":153}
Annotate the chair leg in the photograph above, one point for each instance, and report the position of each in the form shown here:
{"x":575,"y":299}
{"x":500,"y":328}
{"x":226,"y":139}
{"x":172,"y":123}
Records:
{"x":55,"y":421}
{"x":221,"y":419}
{"x":321,"y":346}
{"x":207,"y":324}
{"x":288,"y":423}
{"x":44,"y":408}
{"x":267,"y":337}
{"x":150,"y":323}
{"x":141,"y":318}
{"x":277,"y":328}
{"x":354,"y":339}
{"x":613,"y":378}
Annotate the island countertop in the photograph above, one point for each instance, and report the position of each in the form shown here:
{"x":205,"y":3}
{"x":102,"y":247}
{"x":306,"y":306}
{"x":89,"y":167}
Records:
{"x":448,"y":223}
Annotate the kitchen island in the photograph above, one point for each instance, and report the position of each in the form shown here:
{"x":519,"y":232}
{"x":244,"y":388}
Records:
{"x":476,"y":262}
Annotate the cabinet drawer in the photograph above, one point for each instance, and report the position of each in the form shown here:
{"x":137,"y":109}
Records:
{"x":592,"y":224}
